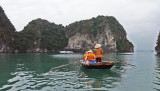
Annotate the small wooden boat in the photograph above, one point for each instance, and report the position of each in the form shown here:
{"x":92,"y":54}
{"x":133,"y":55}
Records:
{"x":99,"y":65}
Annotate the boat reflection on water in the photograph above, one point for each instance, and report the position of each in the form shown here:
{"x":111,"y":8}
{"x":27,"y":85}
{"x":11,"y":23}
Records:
{"x":100,"y":79}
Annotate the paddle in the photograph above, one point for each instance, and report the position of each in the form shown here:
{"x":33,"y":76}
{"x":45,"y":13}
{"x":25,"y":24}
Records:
{"x":119,"y":61}
{"x":62,"y":66}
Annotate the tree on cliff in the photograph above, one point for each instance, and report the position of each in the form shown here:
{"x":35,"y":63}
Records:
{"x":95,"y":28}
{"x":6,"y":32}
{"x":157,"y":48}
{"x":41,"y":34}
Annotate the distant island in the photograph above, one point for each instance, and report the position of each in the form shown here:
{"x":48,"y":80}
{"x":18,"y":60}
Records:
{"x":157,"y":48}
{"x":40,"y":35}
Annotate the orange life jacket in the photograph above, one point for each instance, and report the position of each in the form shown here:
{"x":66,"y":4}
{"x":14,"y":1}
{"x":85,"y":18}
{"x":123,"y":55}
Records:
{"x":90,"y":56}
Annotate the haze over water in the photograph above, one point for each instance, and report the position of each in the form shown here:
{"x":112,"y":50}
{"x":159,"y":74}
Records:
{"x":31,"y":72}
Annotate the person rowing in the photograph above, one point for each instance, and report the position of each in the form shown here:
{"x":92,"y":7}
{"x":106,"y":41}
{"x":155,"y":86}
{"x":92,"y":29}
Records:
{"x":98,"y":53}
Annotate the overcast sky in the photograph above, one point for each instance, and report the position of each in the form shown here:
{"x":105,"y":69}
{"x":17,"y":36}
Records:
{"x":140,"y":18}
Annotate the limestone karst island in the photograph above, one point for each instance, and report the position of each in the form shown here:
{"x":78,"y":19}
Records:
{"x":40,"y":35}
{"x":157,"y":48}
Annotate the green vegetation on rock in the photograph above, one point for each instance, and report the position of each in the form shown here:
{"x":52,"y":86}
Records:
{"x":95,"y":26}
{"x":41,"y":34}
{"x":6,"y":32}
{"x":157,"y":48}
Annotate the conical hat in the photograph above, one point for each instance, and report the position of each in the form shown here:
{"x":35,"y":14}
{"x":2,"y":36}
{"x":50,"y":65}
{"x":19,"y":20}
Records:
{"x":97,"y":45}
{"x":90,"y":51}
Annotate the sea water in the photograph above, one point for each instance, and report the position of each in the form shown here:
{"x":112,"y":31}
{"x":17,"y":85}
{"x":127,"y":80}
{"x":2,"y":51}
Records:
{"x":31,"y":72}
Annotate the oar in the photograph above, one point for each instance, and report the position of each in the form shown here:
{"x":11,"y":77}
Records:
{"x":128,"y":64}
{"x":118,"y":61}
{"x":62,"y":66}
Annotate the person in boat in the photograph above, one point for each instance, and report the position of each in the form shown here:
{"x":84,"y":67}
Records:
{"x":98,"y":53}
{"x":89,"y":57}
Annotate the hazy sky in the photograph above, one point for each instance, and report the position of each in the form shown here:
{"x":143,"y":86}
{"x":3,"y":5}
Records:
{"x":140,"y":18}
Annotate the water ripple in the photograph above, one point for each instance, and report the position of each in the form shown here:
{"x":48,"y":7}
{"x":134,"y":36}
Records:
{"x":27,"y":77}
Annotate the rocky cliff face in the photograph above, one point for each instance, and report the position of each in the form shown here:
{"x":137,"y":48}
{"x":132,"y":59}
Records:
{"x":7,"y":31}
{"x":157,"y":48}
{"x":104,"y":30}
{"x":40,"y":36}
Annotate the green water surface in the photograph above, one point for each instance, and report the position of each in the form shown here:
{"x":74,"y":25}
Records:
{"x":31,"y":72}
